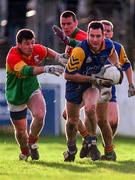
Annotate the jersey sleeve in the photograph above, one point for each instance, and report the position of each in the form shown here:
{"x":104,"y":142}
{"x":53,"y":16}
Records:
{"x":112,"y":50}
{"x":15,"y":63}
{"x":40,"y":50}
{"x":19,"y":67}
{"x":75,"y":61}
{"x":124,"y":61}
{"x":123,"y":56}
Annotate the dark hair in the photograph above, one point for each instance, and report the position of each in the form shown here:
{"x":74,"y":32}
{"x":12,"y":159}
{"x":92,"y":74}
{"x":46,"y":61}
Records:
{"x":108,"y":23}
{"x":95,"y":25}
{"x":69,"y":13}
{"x":24,"y":34}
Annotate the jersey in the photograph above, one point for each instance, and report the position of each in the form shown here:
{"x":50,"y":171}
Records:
{"x":123,"y":60}
{"x":84,"y":61}
{"x":79,"y":35}
{"x":21,"y":83}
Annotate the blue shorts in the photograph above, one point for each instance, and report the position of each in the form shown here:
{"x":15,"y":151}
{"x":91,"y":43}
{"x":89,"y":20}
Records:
{"x":74,"y":91}
{"x":113,"y":99}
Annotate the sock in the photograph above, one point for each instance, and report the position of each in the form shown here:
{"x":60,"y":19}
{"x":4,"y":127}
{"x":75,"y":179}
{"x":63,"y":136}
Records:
{"x":32,"y":139}
{"x":25,"y":150}
{"x":108,"y":149}
{"x":71,"y":147}
{"x":91,"y":140}
{"x":84,"y":134}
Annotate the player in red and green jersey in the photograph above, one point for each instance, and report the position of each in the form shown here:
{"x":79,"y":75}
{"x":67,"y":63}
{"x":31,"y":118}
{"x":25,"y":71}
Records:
{"x":69,"y":23}
{"x":23,"y":89}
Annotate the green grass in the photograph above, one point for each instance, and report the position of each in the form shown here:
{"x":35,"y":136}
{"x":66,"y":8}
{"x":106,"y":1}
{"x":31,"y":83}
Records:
{"x":51,"y":165}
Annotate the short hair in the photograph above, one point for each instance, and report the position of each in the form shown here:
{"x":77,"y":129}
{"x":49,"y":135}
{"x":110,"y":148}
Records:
{"x":69,"y":13}
{"x":106,"y":22}
{"x":24,"y":34}
{"x":95,"y":25}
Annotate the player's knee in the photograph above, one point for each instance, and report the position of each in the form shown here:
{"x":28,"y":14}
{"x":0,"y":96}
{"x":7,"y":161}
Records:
{"x":71,"y":125}
{"x":90,"y":109}
{"x":39,"y":115}
{"x":20,"y":131}
{"x":73,"y":120}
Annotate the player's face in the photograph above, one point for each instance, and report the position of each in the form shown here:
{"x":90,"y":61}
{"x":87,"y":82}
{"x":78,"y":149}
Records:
{"x":108,"y":31}
{"x":68,"y":25}
{"x":95,"y":38}
{"x":26,"y":46}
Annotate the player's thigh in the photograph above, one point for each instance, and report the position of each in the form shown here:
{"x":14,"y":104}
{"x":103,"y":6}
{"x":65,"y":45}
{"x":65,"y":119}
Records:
{"x":37,"y":104}
{"x":90,"y":97}
{"x":72,"y":110}
{"x":113,"y":112}
{"x":20,"y":125}
{"x":102,"y":110}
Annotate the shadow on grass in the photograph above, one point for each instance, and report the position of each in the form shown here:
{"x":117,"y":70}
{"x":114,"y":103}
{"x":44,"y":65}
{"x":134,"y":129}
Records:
{"x":74,"y":167}
{"x":127,"y":167}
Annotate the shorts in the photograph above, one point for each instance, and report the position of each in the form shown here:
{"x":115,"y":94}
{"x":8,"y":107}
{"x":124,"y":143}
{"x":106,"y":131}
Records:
{"x":74,"y":91}
{"x":21,"y":107}
{"x":113,"y":99}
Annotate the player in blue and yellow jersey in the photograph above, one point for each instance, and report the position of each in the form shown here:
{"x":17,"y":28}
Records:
{"x":126,"y":66}
{"x":23,"y":89}
{"x":113,"y":109}
{"x":113,"y":115}
{"x":86,"y":60}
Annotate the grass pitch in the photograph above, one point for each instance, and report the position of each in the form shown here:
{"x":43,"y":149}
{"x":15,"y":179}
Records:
{"x":51,"y":165}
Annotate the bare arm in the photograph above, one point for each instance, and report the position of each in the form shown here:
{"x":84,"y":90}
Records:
{"x":51,"y":53}
{"x":78,"y":78}
{"x":38,"y":70}
{"x":129,"y":75}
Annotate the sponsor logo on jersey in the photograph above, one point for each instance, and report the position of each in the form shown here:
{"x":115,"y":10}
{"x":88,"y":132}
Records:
{"x":36,"y":59}
{"x":89,"y":60}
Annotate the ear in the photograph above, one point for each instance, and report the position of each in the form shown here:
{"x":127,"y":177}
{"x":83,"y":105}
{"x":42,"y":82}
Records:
{"x":18,"y":45}
{"x":112,"y":33}
{"x":76,"y":22}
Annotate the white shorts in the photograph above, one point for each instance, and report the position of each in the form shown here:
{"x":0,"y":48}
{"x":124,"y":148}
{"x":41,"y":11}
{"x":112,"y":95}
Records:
{"x":105,"y":95}
{"x":17,"y":108}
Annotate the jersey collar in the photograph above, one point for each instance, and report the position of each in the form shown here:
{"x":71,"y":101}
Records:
{"x":75,"y":32}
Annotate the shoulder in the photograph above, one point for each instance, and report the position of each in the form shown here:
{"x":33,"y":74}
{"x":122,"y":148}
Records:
{"x":40,"y":49}
{"x":76,"y":60}
{"x":117,"y":44}
{"x":13,"y":53}
{"x":79,"y":34}
{"x":78,"y":52}
{"x":83,"y":44}
{"x":109,"y":44}
{"x":108,"y":41}
{"x":119,"y":48}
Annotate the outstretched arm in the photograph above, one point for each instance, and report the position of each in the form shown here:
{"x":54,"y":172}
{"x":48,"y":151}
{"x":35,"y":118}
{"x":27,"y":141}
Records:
{"x":63,"y":37}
